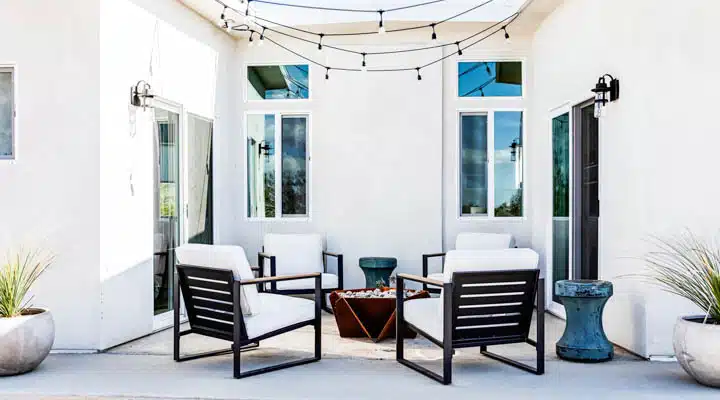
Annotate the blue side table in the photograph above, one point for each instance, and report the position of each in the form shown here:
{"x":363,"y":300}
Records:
{"x":584,"y":339}
{"x":376,"y":269}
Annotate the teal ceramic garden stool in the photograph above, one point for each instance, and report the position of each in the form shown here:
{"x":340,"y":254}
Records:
{"x":584,"y":339}
{"x":377,"y":269}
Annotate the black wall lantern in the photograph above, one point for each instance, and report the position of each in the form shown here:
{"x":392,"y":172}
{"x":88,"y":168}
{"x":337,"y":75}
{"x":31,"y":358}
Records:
{"x":265,"y":149}
{"x":605,"y":93}
{"x":140,"y":95}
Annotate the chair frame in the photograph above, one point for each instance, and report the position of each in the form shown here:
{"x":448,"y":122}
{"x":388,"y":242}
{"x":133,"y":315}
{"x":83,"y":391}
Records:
{"x":451,"y":304}
{"x":425,"y":258}
{"x":222,"y":280}
{"x":262,"y":256}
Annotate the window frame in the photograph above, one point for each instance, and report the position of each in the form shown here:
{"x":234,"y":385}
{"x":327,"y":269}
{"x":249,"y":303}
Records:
{"x":12,"y":69}
{"x":246,"y":82}
{"x":279,"y":217}
{"x":490,"y":113}
{"x":509,"y":58}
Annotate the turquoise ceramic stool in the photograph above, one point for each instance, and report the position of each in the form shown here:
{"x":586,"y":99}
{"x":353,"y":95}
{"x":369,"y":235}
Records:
{"x":376,"y":269}
{"x":584,"y":339}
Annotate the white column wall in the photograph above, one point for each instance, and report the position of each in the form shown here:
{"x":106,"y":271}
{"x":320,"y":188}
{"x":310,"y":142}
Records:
{"x":656,"y":144}
{"x":49,"y":194}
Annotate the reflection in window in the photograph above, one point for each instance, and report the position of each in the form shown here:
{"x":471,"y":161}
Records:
{"x":6,"y":113}
{"x":274,"y":82}
{"x":199,"y":177}
{"x":294,"y":166}
{"x":509,"y":158}
{"x":265,"y":134}
{"x":261,"y":165}
{"x":473,"y":164}
{"x":490,"y":79}
{"x":561,"y":199}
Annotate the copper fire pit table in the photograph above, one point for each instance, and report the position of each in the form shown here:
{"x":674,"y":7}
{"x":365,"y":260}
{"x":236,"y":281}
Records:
{"x":372,"y":317}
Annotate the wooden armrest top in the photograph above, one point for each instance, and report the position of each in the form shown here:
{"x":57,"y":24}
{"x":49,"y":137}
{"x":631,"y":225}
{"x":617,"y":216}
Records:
{"x":434,"y":255}
{"x":278,"y":278}
{"x":265,"y":255}
{"x":331,"y":254}
{"x":420,"y":279}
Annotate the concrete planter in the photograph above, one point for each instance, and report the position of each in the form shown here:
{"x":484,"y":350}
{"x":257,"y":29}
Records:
{"x":697,"y":348}
{"x":25,"y":341}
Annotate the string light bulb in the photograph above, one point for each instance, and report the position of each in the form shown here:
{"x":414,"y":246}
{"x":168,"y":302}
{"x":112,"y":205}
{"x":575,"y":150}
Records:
{"x":381,"y":27}
{"x":487,"y":69}
{"x":262,"y":37}
{"x":250,"y":40}
{"x":459,"y":51}
{"x":222,"y":16}
{"x":363,"y":67}
{"x":507,"y":35}
{"x":327,"y":73}
{"x":434,"y":35}
{"x":320,"y":42}
{"x":419,"y":77}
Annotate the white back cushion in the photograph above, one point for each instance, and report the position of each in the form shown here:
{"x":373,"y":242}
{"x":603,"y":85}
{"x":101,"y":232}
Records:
{"x":483,"y":241}
{"x":295,"y":253}
{"x":223,"y":257}
{"x":488,"y":260}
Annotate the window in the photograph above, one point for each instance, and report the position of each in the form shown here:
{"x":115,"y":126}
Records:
{"x":278,"y":82}
{"x":491,"y":165}
{"x":490,"y":79}
{"x":7,"y":114}
{"x":277,"y":146}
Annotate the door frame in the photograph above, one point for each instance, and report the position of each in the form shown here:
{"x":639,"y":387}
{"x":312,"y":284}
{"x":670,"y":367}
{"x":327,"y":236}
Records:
{"x":165,"y":320}
{"x":551,"y":306}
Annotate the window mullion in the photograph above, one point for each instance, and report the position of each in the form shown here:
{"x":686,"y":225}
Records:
{"x":491,"y":164}
{"x":278,"y":165}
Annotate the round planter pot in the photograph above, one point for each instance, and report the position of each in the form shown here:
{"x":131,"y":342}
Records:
{"x":25,"y":341}
{"x":697,"y":348}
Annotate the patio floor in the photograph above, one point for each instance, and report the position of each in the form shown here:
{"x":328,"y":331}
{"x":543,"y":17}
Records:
{"x":351,"y":369}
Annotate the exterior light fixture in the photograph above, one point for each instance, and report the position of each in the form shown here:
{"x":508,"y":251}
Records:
{"x":605,"y":93}
{"x":140,"y":95}
{"x":265,"y":149}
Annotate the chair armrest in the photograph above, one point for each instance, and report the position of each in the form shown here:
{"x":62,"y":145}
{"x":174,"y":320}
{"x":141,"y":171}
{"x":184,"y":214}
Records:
{"x":279,"y":278}
{"x":433,"y":255}
{"x":265,"y":255}
{"x":420,"y":279}
{"x":339,"y":258}
{"x":425,"y":271}
{"x":262,"y":256}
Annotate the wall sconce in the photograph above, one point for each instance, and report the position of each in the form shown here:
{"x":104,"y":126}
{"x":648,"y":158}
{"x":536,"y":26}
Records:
{"x":140,"y":95}
{"x":264,"y":149}
{"x":605,"y":93}
{"x":514,"y":149}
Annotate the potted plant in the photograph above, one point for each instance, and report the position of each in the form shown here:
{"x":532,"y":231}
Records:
{"x":26,"y":333}
{"x":690,"y":267}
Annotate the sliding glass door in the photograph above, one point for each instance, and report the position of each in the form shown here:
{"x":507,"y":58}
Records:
{"x":199,"y":208}
{"x":561,"y":248}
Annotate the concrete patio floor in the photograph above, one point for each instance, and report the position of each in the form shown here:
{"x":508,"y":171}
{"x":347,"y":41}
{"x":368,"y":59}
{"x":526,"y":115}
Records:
{"x":351,"y":369}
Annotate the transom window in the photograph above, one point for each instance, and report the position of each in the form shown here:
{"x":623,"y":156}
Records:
{"x":278,"y":82}
{"x":491,"y":164}
{"x":7,"y":114}
{"x":490,"y":79}
{"x":277,"y":165}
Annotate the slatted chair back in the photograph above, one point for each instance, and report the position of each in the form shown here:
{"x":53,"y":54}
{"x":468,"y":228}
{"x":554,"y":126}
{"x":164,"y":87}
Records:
{"x":492,"y":307}
{"x":209,"y":299}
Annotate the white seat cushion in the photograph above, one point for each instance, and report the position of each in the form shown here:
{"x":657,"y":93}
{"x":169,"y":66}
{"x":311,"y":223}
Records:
{"x":329,"y":281}
{"x":223,"y":257}
{"x":426,"y":315}
{"x":488,"y":260}
{"x":277,"y":312}
{"x":295,"y":253}
{"x":483,"y":241}
{"x":439,"y":276}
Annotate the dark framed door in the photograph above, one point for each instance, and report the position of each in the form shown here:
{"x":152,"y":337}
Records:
{"x":587,"y":203}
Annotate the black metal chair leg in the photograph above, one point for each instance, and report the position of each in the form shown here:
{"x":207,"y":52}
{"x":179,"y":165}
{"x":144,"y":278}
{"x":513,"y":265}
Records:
{"x":516,"y":364}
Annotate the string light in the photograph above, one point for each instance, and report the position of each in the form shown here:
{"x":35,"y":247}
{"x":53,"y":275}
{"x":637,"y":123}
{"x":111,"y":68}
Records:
{"x":327,"y":73}
{"x":419,"y":77}
{"x":320,"y":42}
{"x":507,"y":35}
{"x":487,"y":68}
{"x":250,"y":40}
{"x":381,"y":28}
{"x":363,"y":67}
{"x":262,"y":37}
{"x":459,"y":50}
{"x":434,"y":35}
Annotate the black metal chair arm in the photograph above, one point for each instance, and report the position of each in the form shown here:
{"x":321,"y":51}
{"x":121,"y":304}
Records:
{"x":279,"y":278}
{"x":331,"y":254}
{"x":431,"y":255}
{"x":266,"y":255}
{"x":420,"y":279}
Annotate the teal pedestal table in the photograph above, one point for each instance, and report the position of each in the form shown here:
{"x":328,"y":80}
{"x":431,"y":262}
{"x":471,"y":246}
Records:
{"x":377,"y":269}
{"x":584,"y":339}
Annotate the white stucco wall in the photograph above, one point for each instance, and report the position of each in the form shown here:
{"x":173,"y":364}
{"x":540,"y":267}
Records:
{"x":656,"y":142}
{"x":49,"y":196}
{"x":187,"y":62}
